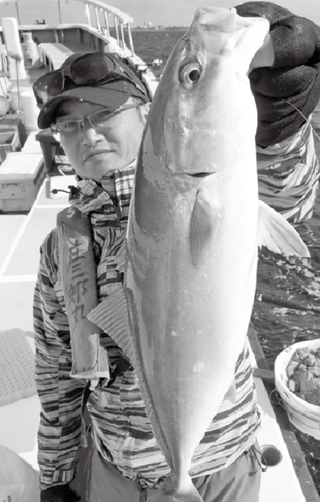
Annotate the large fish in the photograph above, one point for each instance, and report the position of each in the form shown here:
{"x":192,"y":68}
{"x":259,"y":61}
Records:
{"x":193,"y":233}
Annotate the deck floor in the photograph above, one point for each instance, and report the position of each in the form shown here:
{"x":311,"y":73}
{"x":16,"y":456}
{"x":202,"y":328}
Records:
{"x":22,"y":236}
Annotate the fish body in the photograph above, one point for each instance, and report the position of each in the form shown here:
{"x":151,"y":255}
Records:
{"x":191,"y":257}
{"x":192,"y":251}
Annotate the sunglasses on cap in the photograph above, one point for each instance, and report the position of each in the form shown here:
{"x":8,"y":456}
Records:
{"x":92,"y":69}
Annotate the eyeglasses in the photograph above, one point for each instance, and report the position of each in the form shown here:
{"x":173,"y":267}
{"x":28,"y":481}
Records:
{"x":101,"y":120}
{"x":93,"y":68}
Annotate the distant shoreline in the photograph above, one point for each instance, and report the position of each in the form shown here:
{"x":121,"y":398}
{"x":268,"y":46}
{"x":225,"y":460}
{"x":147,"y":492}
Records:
{"x":162,"y":28}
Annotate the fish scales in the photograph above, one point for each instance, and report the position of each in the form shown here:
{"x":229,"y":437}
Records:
{"x":195,"y":299}
{"x":191,"y":256}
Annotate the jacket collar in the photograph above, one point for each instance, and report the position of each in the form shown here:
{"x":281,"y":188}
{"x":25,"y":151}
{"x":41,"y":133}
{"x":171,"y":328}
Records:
{"x":94,"y":197}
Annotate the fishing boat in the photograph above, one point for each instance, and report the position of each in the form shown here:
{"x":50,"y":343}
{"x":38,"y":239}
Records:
{"x":34,"y":181}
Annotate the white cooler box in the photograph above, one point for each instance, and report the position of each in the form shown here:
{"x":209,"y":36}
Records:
{"x":21,"y":175}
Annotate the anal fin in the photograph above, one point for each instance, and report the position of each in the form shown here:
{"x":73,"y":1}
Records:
{"x":231,"y":392}
{"x":112,"y":315}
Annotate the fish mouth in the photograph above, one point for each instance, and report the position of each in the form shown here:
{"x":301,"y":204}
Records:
{"x":196,"y":176}
{"x":199,"y":175}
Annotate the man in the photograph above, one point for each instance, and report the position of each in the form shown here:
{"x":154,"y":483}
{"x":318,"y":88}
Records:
{"x":97,"y":107}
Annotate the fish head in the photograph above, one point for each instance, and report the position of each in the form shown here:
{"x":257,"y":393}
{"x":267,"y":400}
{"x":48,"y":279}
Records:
{"x":204,"y":114}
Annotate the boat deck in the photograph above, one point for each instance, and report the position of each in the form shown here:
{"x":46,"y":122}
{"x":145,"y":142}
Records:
{"x":21,"y":237}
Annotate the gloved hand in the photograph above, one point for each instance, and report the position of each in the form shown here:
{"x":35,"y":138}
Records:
{"x":285,"y":76}
{"x":60,"y":493}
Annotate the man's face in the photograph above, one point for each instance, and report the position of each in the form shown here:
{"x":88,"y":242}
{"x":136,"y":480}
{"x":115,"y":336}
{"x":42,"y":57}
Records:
{"x":93,"y":153}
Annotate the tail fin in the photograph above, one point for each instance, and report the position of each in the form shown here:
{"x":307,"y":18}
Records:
{"x":169,"y":492}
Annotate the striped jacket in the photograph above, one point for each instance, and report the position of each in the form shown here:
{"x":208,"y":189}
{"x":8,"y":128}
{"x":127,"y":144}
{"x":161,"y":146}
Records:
{"x":289,"y":173}
{"x":121,"y":429}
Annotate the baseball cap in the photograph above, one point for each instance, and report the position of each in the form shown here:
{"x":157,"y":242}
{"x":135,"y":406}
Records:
{"x":103,"y":79}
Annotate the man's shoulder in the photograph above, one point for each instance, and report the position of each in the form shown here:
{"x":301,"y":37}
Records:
{"x":50,"y":239}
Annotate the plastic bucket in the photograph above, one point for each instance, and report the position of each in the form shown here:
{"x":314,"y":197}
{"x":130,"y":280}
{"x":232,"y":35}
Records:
{"x":303,"y":415}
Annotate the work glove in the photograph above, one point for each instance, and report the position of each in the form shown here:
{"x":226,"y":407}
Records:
{"x":60,"y":493}
{"x":285,"y":80}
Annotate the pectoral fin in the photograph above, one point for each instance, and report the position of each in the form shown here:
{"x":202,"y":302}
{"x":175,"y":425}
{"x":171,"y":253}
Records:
{"x":204,"y":225}
{"x":277,"y":234}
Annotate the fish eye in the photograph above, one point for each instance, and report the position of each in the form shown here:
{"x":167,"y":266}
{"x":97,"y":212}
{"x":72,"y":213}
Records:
{"x":190,"y":73}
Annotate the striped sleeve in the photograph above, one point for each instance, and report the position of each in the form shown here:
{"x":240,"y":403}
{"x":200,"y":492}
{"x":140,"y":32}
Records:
{"x":60,"y":395}
{"x":288,"y":175}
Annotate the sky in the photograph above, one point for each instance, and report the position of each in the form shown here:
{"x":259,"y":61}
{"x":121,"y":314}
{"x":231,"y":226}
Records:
{"x":181,"y":12}
{"x":158,"y":12}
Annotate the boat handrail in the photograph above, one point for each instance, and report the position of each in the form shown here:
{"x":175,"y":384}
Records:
{"x":121,"y":21}
{"x":121,"y":16}
{"x":105,"y":17}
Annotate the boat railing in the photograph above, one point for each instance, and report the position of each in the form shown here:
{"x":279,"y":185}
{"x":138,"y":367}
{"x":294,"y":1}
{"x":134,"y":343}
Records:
{"x":104,"y":19}
{"x":107,"y":17}
{"x":104,"y":28}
